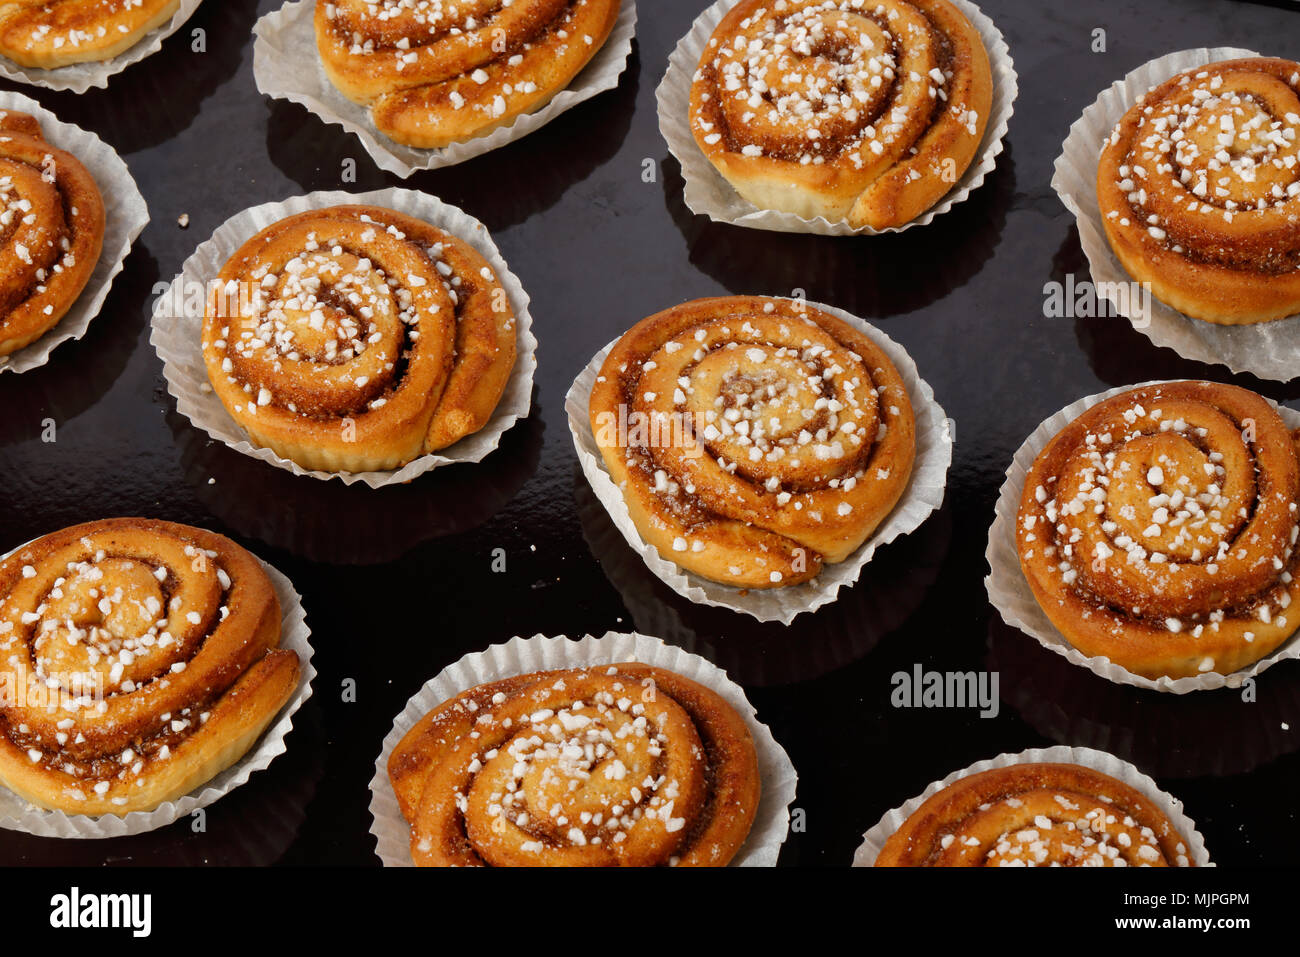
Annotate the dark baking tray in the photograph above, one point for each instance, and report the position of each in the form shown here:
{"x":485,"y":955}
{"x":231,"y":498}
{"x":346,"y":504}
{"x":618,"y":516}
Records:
{"x":399,"y":582}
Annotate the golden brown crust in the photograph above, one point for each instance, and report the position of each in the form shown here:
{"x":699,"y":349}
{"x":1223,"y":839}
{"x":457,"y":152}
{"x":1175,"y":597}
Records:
{"x":157,"y":645}
{"x":435,"y":74}
{"x":356,"y":338}
{"x":51,"y":231}
{"x":618,"y":765}
{"x":46,"y":34}
{"x":1037,"y":815}
{"x":753,"y":439}
{"x":1158,"y":530}
{"x":1199,"y":191}
{"x":901,"y":99}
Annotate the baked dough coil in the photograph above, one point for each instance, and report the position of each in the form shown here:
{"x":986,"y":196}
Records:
{"x":1199,"y":191}
{"x":865,"y":111}
{"x":139,"y":659}
{"x":46,"y":34}
{"x":355,"y":338}
{"x":435,"y":73}
{"x":1037,"y":815}
{"x":753,"y":439}
{"x":621,"y":765}
{"x":1159,"y":530}
{"x":51,"y":231}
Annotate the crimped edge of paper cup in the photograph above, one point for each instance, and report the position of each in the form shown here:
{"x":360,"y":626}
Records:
{"x":80,"y":77}
{"x":295,"y":636}
{"x":874,"y":840}
{"x":178,"y":339}
{"x":308,"y":86}
{"x":1011,"y":595}
{"x":125,"y":216}
{"x":520,"y":656}
{"x":708,"y":193}
{"x":1270,"y":350}
{"x":922,"y":497}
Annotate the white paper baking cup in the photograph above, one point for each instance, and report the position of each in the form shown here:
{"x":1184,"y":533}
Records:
{"x":1270,"y":350}
{"x":18,"y":815}
{"x":125,"y":217}
{"x":923,"y":495}
{"x":708,"y":193}
{"x":1012,"y":597}
{"x":179,"y":339}
{"x":80,"y":77}
{"x":874,"y":840}
{"x":539,"y":653}
{"x":287,"y":66}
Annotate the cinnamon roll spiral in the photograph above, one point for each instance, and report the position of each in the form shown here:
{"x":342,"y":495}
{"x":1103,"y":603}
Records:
{"x":46,"y":34}
{"x":1159,"y":530}
{"x":434,"y":72}
{"x":139,"y":659}
{"x":355,"y":338}
{"x":860,"y":110}
{"x":620,"y":765}
{"x":1199,"y":191}
{"x":1037,"y":815}
{"x":51,"y":231}
{"x":753,"y":439}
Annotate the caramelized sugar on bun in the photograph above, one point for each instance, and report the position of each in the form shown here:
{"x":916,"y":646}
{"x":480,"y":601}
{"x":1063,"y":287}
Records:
{"x":435,"y":73}
{"x":865,"y":111}
{"x":754,"y":440}
{"x":619,"y":765}
{"x":355,"y":339}
{"x":1199,"y":191}
{"x":1158,"y":530}
{"x":46,"y":34}
{"x":51,"y":231}
{"x":1037,"y":815}
{"x":139,"y":659}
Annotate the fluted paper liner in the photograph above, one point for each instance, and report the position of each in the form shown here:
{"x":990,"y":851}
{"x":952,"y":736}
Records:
{"x":80,"y":77}
{"x":874,"y":840}
{"x":923,"y":495}
{"x":179,"y":339}
{"x":287,"y":66}
{"x":708,"y":193}
{"x":539,"y":653}
{"x":18,"y":815}
{"x":125,"y":217}
{"x":1270,"y":350}
{"x":1012,"y":597}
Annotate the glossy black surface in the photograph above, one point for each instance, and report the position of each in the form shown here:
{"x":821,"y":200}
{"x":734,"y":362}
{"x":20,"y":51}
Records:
{"x":398,"y":583}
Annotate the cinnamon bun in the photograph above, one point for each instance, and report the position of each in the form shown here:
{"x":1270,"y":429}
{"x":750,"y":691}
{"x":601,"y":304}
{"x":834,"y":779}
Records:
{"x":753,"y":439}
{"x":139,"y":659}
{"x":617,"y":765}
{"x":1199,"y":191}
{"x":51,"y":231}
{"x":435,"y":73}
{"x":46,"y":34}
{"x":355,"y":339}
{"x":1037,"y":815}
{"x":1158,"y":530}
{"x":861,"y":110}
